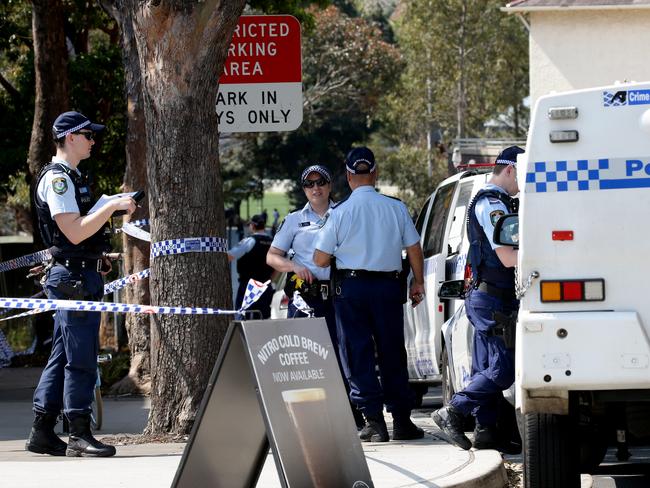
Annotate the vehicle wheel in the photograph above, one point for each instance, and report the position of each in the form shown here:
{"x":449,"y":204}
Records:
{"x":447,"y":385}
{"x":419,"y":390}
{"x":550,"y":452}
{"x":97,"y":413}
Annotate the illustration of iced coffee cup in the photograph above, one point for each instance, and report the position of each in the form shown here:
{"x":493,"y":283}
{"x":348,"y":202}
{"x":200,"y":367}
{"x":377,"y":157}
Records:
{"x":308,"y":411}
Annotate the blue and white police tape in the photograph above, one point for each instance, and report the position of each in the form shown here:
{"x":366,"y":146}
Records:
{"x":108,"y":288}
{"x":25,"y":261}
{"x":127,"y":280}
{"x":301,"y":304}
{"x":188,"y":244}
{"x":135,"y":231}
{"x":136,"y":223}
{"x":254,"y":291}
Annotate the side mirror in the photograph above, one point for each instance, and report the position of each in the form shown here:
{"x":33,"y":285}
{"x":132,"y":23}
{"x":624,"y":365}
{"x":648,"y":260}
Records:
{"x":506,"y":231}
{"x":453,"y":289}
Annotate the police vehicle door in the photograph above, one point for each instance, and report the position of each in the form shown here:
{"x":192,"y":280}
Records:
{"x":429,"y":319}
{"x":409,"y":311}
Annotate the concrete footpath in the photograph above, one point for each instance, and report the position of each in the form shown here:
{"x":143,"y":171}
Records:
{"x":430,"y":462}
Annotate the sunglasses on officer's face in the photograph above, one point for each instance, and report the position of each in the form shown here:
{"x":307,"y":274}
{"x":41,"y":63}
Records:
{"x":311,"y":183}
{"x":88,"y":135}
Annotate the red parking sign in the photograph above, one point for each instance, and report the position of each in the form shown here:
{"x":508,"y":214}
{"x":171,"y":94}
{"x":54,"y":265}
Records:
{"x":260,"y":89}
{"x":264,"y":49}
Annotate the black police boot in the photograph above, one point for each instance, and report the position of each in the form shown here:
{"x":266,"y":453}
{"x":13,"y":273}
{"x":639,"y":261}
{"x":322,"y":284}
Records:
{"x":82,"y":442}
{"x":42,"y":439}
{"x":450,"y":422}
{"x":359,"y":421}
{"x":487,"y":437}
{"x":404,"y":429}
{"x":375,"y":430}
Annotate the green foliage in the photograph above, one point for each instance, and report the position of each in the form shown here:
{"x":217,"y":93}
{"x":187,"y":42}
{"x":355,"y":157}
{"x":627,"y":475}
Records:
{"x":347,"y":66}
{"x":96,"y":81}
{"x":466,"y":65}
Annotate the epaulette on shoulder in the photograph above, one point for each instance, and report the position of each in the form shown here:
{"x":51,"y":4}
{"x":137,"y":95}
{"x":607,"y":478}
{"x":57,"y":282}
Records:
{"x":338,"y":204}
{"x":394,"y":198}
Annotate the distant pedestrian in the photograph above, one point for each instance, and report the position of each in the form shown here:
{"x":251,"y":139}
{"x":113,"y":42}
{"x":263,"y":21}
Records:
{"x":276,"y":220}
{"x":366,"y":234}
{"x":250,"y":254}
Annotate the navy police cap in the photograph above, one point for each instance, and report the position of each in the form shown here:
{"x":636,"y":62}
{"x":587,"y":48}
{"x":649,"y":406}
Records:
{"x":69,"y":122}
{"x":316,"y":168}
{"x":509,"y":155}
{"x":360,"y":156}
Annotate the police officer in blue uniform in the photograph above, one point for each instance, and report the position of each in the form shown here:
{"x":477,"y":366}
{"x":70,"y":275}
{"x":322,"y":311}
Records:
{"x":366,"y":234}
{"x":491,"y":298}
{"x":250,"y":254}
{"x":296,"y":235}
{"x":77,"y":241}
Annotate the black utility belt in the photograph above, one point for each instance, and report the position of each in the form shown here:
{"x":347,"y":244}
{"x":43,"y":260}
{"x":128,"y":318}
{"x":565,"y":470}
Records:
{"x":363,"y":273}
{"x":80,"y":264}
{"x":502,"y":293}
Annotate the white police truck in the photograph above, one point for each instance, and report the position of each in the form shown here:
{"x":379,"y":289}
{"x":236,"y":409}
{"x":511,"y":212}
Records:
{"x":583,"y":331}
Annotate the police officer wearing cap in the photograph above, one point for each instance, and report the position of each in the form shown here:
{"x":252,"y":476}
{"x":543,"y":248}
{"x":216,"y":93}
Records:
{"x":77,"y":241}
{"x":296,"y":235}
{"x":490,"y":299}
{"x":366,"y":234}
{"x":250,"y":254}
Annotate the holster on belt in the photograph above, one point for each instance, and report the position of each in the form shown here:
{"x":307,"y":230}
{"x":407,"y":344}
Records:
{"x":73,"y":291}
{"x":506,"y":327}
{"x":315,"y":289}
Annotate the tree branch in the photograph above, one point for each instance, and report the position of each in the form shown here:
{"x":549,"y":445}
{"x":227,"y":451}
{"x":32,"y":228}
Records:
{"x":15,"y":94}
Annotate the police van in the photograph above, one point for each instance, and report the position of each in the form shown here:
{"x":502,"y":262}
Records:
{"x":583,"y":331}
{"x":428,"y":327}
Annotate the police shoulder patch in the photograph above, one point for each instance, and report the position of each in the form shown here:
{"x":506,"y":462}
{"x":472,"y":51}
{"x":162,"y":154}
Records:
{"x":495,"y":215}
{"x":60,"y":185}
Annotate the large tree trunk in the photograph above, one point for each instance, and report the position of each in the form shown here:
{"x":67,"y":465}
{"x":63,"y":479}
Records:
{"x":51,"y":98}
{"x":136,"y":252}
{"x":182,"y":48}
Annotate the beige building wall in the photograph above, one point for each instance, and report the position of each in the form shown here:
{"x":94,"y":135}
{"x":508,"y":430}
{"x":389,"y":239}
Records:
{"x":587,"y":48}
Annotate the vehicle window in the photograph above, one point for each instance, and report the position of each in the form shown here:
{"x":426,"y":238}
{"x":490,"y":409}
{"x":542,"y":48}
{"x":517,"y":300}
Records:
{"x":419,"y":223}
{"x":434,"y":235}
{"x":458,"y":227}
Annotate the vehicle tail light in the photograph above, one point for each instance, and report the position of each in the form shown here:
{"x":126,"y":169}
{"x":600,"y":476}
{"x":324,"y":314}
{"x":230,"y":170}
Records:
{"x":468,"y":276}
{"x":284,"y":302}
{"x":573,"y":290}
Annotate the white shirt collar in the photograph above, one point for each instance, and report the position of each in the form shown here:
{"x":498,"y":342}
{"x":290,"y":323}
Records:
{"x":56,"y":159}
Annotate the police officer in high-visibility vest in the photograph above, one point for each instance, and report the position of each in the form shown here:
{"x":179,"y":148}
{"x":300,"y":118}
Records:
{"x":250,"y":254}
{"x":366,"y":234}
{"x":77,"y":241}
{"x":490,"y":300}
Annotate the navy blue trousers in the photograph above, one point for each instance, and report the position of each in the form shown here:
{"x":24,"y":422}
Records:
{"x":369,"y":318}
{"x":493,"y":366}
{"x":68,"y":380}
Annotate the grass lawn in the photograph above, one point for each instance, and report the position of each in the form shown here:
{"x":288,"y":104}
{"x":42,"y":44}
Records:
{"x":271,"y":201}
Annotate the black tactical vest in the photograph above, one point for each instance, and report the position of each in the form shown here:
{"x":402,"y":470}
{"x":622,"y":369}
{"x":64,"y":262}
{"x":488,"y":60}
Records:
{"x":253,"y":264}
{"x":486,"y":265}
{"x":60,"y":246}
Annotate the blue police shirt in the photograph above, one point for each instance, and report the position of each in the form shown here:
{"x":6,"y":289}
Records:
{"x":297,"y":233}
{"x":367,"y":231}
{"x":488,"y":210}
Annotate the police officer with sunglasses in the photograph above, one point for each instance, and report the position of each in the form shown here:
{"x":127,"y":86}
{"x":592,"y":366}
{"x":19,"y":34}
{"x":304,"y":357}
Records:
{"x":77,"y":241}
{"x":296,"y":236}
